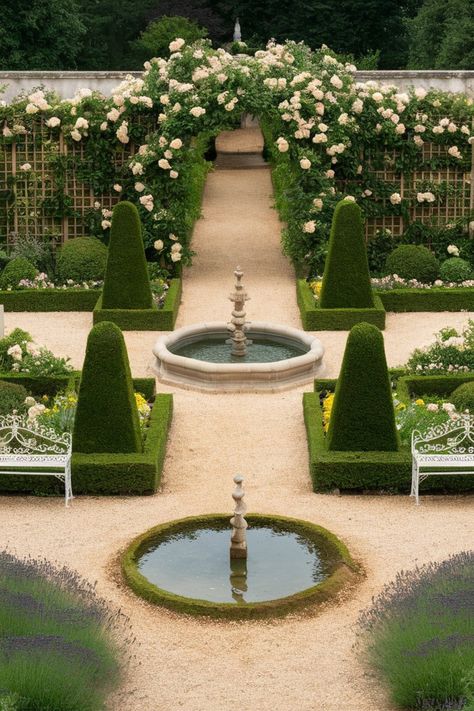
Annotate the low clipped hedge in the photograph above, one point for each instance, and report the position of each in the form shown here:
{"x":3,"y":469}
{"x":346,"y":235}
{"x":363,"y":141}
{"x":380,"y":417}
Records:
{"x":346,"y":571}
{"x":413,"y":386}
{"x":49,"y":299}
{"x":314,"y":318}
{"x":107,"y":474}
{"x":154,"y":319}
{"x":367,"y":471}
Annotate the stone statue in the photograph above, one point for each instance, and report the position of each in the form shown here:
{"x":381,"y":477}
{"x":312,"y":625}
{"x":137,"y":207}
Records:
{"x":238,"y":539}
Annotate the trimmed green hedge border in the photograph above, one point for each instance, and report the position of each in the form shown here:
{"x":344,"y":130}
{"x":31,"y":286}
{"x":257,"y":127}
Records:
{"x":144,"y":319}
{"x":316,"y":319}
{"x":118,"y":474}
{"x":410,"y":386}
{"x":361,"y":471}
{"x":49,"y":299}
{"x":345,"y":572}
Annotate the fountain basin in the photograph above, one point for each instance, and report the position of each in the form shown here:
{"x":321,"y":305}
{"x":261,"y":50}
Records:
{"x":185,"y":565}
{"x":297,"y":358}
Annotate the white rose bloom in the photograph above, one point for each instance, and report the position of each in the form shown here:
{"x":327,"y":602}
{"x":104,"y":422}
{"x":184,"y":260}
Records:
{"x":438,"y":129}
{"x":53,"y":122}
{"x":25,"y":167}
{"x":175,"y":256}
{"x":343,"y":119}
{"x":176,"y":247}
{"x":168,"y":154}
{"x":172,"y":237}
{"x":395,"y":198}
{"x":158,"y":245}
{"x":454,"y":151}
{"x":309,"y":227}
{"x":117,"y":188}
{"x":283,"y":145}
{"x":358,"y":106}
{"x":305,"y":163}
{"x":400,"y":128}
{"x":97,"y":204}
{"x":176,"y":144}
{"x":452,"y":128}
{"x":320,"y":138}
{"x":137,"y":169}
{"x":444,"y":122}
{"x":139,"y":187}
{"x":75,"y":135}
{"x":330,"y":173}
{"x":336,"y":81}
{"x":118,"y":99}
{"x":377,"y":96}
{"x":418,"y":141}
{"x":176,"y":45}
{"x":452,"y":249}
{"x":164,"y":164}
{"x":420,"y":93}
{"x":81,"y":123}
{"x":197,"y":111}
{"x":350,"y":198}
{"x":31,"y":109}
{"x":164,"y":99}
{"x":6,"y":132}
{"x":174,"y":174}
{"x":105,"y":224}
{"x":318,"y":203}
{"x":147,"y":202}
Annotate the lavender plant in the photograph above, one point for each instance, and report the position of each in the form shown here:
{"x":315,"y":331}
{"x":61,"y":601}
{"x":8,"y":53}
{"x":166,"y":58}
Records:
{"x":419,"y":635}
{"x":60,"y":645}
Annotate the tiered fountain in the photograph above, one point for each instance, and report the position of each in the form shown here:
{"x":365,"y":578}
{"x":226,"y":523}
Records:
{"x":259,"y":356}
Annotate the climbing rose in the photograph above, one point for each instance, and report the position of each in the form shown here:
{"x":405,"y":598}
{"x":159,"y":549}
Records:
{"x":309,"y":227}
{"x":158,"y":245}
{"x":305,"y":163}
{"x":395,"y":198}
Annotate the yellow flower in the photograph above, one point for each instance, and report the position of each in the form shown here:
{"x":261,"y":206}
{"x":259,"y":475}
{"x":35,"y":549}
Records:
{"x":315,"y":287}
{"x":419,"y":401}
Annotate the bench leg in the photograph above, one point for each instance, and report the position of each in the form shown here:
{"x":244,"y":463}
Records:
{"x":68,"y":485}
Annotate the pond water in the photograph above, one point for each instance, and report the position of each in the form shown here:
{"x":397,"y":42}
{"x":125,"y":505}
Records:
{"x":218,"y":351}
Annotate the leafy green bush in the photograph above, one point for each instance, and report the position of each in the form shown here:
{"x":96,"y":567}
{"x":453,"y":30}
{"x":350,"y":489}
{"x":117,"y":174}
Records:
{"x":463,"y":397}
{"x":61,"y":647}
{"x":450,"y":353}
{"x":346,"y":280}
{"x":156,"y":38}
{"x":35,"y":250}
{"x":16,"y":337}
{"x":82,"y":259}
{"x":363,"y":417}
{"x":106,"y":416}
{"x":16,"y":270}
{"x":455,"y":269}
{"x":419,"y":634}
{"x":12,"y":397}
{"x":127,"y":284}
{"x":413,"y":261}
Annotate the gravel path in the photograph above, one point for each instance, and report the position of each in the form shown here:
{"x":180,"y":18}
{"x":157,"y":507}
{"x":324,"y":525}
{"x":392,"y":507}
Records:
{"x":304,"y":662}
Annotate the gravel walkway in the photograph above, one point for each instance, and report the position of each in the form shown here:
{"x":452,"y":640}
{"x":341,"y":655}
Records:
{"x":303,"y":662}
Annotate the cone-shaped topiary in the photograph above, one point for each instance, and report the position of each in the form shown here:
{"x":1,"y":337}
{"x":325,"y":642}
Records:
{"x":363,"y":417}
{"x":127,"y":284}
{"x":107,"y":416}
{"x":346,"y":280}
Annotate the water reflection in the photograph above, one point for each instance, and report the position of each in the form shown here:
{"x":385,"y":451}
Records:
{"x":238,"y":578}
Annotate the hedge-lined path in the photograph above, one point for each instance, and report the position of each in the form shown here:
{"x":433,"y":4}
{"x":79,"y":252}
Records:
{"x":304,"y":662}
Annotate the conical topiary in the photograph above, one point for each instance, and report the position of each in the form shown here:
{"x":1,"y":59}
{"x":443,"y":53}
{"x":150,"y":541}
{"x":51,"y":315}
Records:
{"x":127,"y":284}
{"x":363,"y":417}
{"x":346,"y":280}
{"x":107,"y":416}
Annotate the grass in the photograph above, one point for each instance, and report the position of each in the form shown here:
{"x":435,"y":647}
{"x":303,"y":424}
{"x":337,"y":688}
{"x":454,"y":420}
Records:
{"x":420,"y":635}
{"x":60,"y":647}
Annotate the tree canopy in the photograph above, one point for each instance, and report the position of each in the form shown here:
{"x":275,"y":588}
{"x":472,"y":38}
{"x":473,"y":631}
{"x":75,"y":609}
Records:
{"x":451,"y":22}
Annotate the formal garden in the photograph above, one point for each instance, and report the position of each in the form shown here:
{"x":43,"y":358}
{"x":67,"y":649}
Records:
{"x":245,"y":274}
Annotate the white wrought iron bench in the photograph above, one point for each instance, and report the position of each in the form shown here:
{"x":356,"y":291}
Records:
{"x":443,"y":450}
{"x":33,"y":450}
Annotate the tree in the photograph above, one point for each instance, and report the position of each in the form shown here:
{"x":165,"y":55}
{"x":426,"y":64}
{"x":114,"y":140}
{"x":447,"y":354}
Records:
{"x":452,"y":23}
{"x":155,"y":40}
{"x":200,"y":12}
{"x":40,"y":35}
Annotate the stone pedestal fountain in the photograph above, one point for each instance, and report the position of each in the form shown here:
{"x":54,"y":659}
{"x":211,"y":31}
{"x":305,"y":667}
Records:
{"x":238,"y":539}
{"x":238,"y":325}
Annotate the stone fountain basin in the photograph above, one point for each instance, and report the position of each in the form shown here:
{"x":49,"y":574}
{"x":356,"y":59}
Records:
{"x":274,"y":376}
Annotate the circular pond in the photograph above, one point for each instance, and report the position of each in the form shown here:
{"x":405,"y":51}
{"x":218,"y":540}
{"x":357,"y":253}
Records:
{"x":218,"y":350}
{"x":186,"y":565}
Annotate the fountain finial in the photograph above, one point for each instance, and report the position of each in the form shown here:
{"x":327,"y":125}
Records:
{"x":238,"y":539}
{"x":238,"y":325}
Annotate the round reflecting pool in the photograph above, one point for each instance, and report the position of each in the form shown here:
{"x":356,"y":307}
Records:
{"x":219,"y":351}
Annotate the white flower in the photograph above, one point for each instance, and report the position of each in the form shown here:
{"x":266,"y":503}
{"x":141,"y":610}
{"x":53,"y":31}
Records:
{"x":318,"y":203}
{"x":53,"y":122}
{"x":147,"y":202}
{"x":103,"y":126}
{"x":158,"y":245}
{"x":350,"y":198}
{"x":336,"y":81}
{"x":168,"y":154}
{"x":122,"y":132}
{"x":174,"y":174}
{"x":76,"y":135}
{"x":176,"y":45}
{"x":343,"y":119}
{"x":81,"y":123}
{"x":164,"y":164}
{"x":432,"y":407}
{"x":175,"y":256}
{"x":448,"y":407}
{"x":358,"y":106}
{"x":6,"y":132}
{"x":176,"y":247}
{"x":172,"y":236}
{"x":330,"y":173}
{"x":31,"y":109}
{"x":137,"y":169}
{"x":25,"y":167}
{"x":34,"y":411}
{"x":176,"y":144}
{"x":400,"y":128}
{"x":15,"y":352}
{"x":113,"y":114}
{"x":97,"y":204}
{"x":309,"y":227}
{"x":418,"y":141}
{"x":117,"y":188}
{"x":320,"y":138}
{"x":305,"y":163}
{"x":283,"y":145}
{"x":197,"y":111}
{"x":420,"y":93}
{"x":452,"y":249}
{"x":395,"y":198}
{"x":139,"y":187}
{"x":105,"y":224}
{"x":377,"y":96}
{"x":454,"y":151}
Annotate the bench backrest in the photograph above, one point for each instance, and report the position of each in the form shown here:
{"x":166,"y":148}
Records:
{"x":20,"y":439}
{"x":452,"y":437}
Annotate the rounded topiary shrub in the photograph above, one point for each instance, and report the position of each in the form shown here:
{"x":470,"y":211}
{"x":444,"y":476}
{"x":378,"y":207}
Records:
{"x":82,"y":259}
{"x":16,"y":270}
{"x":12,"y":397}
{"x":463,"y":397}
{"x":413,"y":261}
{"x":455,"y":269}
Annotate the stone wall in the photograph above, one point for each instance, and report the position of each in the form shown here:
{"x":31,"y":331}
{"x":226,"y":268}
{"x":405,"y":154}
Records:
{"x":66,"y":83}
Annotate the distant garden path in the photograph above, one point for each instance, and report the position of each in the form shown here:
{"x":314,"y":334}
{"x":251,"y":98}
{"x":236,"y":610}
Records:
{"x":303,"y":663}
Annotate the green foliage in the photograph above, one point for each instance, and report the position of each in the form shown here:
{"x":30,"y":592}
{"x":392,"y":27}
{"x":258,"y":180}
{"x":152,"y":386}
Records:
{"x":346,"y":280}
{"x":127,"y":284}
{"x":450,"y":353}
{"x":16,"y":270}
{"x":37,"y":251}
{"x":417,"y":417}
{"x":12,"y":397}
{"x":50,"y":299}
{"x":155,"y":39}
{"x":107,"y":416}
{"x":16,"y":337}
{"x":399,"y":300}
{"x":412,"y":261}
{"x":40,"y":35}
{"x":61,"y":646}
{"x":452,"y":23}
{"x":82,"y":259}
{"x":463,"y":397}
{"x":419,"y":631}
{"x":455,"y":269}
{"x":363,"y":416}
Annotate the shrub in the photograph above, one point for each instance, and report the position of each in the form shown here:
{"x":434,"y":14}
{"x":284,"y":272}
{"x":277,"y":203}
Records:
{"x":61,"y":647}
{"x":413,"y":261}
{"x":16,"y":337}
{"x":463,"y":397}
{"x":455,"y":269}
{"x":362,"y":417}
{"x":12,"y":397}
{"x":35,"y":250}
{"x":16,"y":270}
{"x":419,"y":634}
{"x":82,"y":259}
{"x":106,"y":416}
{"x":346,"y":280}
{"x":127,"y":284}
